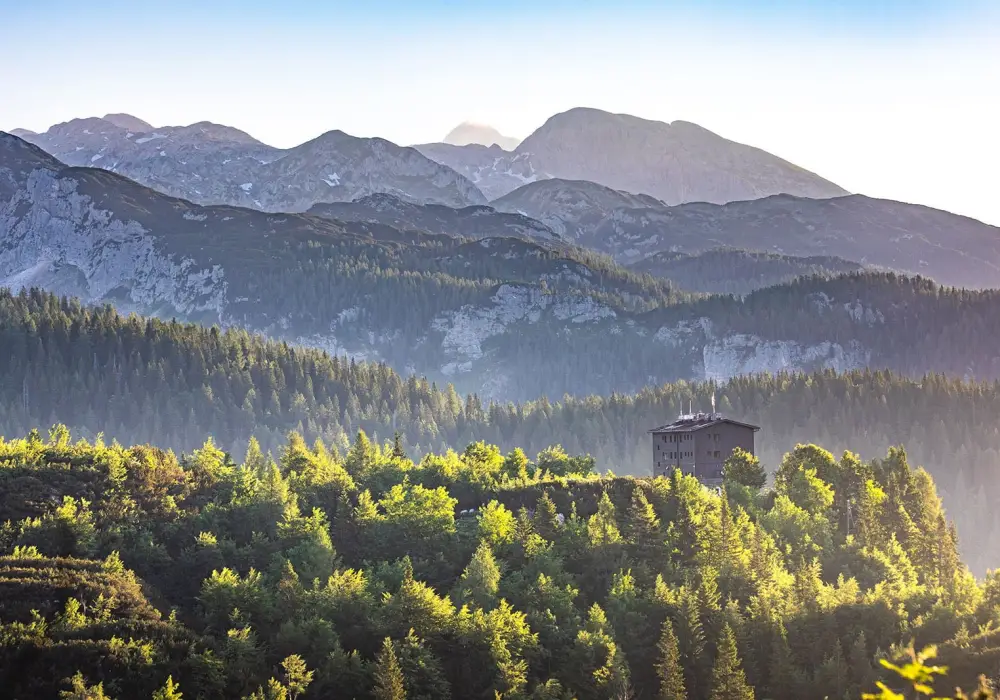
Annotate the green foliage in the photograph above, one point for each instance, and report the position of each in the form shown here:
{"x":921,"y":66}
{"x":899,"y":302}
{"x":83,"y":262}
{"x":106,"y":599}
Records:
{"x":388,"y":675}
{"x":318,"y":575}
{"x":170,"y":691}
{"x":728,"y":679}
{"x":669,"y":669}
{"x":745,"y":469}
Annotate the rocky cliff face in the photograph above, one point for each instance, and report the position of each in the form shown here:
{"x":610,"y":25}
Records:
{"x":53,"y":236}
{"x":676,"y":162}
{"x":214,"y":164}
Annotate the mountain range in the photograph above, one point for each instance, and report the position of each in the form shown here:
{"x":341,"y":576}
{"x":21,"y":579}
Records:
{"x":953,"y":250}
{"x":505,"y":317}
{"x":676,"y":162}
{"x":209,"y":163}
{"x":213,"y":164}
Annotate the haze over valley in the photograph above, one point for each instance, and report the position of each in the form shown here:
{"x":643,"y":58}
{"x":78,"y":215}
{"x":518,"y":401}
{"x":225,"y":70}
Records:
{"x":568,"y":402}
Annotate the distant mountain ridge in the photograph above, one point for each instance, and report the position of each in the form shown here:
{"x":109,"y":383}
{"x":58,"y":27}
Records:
{"x":215,"y":164}
{"x":735,"y":271}
{"x":676,"y":162}
{"x":909,"y":238}
{"x":494,"y":171}
{"x":505,"y":317}
{"x":474,"y":221}
{"x":468,"y":133}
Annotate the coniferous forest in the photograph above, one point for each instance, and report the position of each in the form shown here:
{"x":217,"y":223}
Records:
{"x":614,"y":409}
{"x":309,"y":573}
{"x":175,"y":385}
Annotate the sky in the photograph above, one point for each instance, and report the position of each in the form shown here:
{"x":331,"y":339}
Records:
{"x":890,"y":98}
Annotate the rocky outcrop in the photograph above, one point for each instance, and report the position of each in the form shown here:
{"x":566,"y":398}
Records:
{"x":53,"y":236}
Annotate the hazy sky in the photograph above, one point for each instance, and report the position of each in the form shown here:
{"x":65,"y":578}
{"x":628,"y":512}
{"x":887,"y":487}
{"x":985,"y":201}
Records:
{"x":892,"y":98}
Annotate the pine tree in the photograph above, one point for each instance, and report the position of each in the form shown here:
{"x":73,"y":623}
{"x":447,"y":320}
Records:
{"x":80,"y":690}
{"x":859,"y":661}
{"x":642,"y":527}
{"x":546,"y":517}
{"x":691,"y":636}
{"x":297,"y":675}
{"x":388,"y":675}
{"x":481,"y":578}
{"x":728,"y":680}
{"x":668,"y":667}
{"x":170,"y":691}
{"x":397,"y":446}
{"x":602,"y":526}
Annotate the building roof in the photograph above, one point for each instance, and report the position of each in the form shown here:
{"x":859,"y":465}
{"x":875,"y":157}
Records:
{"x":691,"y":423}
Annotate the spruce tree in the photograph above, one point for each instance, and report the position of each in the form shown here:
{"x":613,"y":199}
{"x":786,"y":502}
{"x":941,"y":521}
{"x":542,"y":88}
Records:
{"x":481,"y":579}
{"x":545,"y":518}
{"x":691,"y":636}
{"x":728,"y":680}
{"x":641,"y":524}
{"x":388,"y":675}
{"x":668,"y":666}
{"x":170,"y":691}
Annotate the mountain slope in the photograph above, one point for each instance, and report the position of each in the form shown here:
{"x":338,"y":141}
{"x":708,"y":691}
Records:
{"x":128,"y":122}
{"x":135,"y":379}
{"x":470,"y":133}
{"x":214,"y":164}
{"x":474,"y":222}
{"x":951,"y":249}
{"x":505,"y":317}
{"x":493,"y":170}
{"x":676,"y":162}
{"x":572,"y":207}
{"x":733,"y":271}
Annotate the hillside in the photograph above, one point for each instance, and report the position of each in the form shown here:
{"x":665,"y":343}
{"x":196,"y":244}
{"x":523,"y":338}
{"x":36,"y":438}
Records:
{"x":210,"y":164}
{"x":137,"y":380}
{"x":503,"y":317}
{"x":471,"y":222}
{"x":466,"y":575}
{"x":733,"y":271}
{"x":676,"y":162}
{"x":951,"y":249}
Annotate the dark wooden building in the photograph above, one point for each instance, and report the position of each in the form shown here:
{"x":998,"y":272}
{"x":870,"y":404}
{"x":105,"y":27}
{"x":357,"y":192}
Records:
{"x":699,"y":444}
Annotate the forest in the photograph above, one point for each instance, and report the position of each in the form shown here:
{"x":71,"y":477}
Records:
{"x":736,"y":271}
{"x":310,"y":572}
{"x":142,"y":380}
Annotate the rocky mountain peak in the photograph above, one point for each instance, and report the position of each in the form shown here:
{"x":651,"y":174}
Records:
{"x":128,"y":122}
{"x":209,"y":163}
{"x":676,"y":162}
{"x":468,"y":133}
